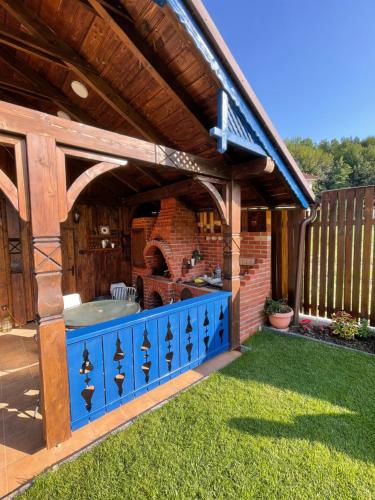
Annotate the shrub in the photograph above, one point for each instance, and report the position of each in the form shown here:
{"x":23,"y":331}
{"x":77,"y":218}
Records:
{"x":275,"y":306}
{"x":363,"y":331}
{"x":306,"y":325}
{"x":344,"y":325}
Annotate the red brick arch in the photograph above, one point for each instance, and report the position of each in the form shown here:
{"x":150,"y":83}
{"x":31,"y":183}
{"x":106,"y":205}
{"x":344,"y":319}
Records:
{"x":166,"y":250}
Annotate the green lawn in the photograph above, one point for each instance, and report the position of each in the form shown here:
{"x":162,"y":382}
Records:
{"x":290,"y":419}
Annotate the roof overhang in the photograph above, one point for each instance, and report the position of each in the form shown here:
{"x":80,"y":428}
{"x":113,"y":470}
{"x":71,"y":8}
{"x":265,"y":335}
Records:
{"x":194,"y":17}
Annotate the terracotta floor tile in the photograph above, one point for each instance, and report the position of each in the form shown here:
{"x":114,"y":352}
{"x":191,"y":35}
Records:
{"x":163,"y":392}
{"x":108,"y":422}
{"x":139,"y":405}
{"x":3,"y":482}
{"x":2,"y":455}
{"x":21,"y":441}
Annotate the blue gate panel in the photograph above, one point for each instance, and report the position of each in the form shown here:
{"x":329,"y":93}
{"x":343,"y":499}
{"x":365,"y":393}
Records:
{"x":169,"y":346}
{"x":221,"y":326}
{"x":118,"y":367}
{"x":189,"y":339}
{"x":86,"y":381}
{"x":146,"y":356}
{"x":113,"y":362}
{"x":206,"y":322}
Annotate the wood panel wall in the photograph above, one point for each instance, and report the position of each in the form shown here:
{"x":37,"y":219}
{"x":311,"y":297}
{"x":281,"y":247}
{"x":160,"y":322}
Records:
{"x":16,"y":282}
{"x":89,"y":274}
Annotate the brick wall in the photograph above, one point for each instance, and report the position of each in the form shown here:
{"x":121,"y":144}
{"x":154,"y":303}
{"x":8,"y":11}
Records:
{"x":167,"y":289}
{"x":211,"y":248}
{"x":255,"y":280}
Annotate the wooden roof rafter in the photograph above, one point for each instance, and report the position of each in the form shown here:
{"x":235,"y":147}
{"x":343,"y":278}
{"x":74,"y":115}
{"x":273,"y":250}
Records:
{"x":54,"y":47}
{"x":41,"y":85}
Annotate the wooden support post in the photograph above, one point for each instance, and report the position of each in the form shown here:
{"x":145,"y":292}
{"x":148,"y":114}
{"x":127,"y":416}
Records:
{"x":231,"y":279}
{"x":46,"y":182}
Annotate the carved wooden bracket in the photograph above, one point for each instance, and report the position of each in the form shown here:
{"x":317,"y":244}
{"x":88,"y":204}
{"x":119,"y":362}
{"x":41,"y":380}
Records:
{"x":219,"y":201}
{"x":18,"y":196}
{"x":85,"y":178}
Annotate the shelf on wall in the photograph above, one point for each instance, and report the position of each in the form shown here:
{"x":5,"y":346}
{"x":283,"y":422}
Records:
{"x":100,"y":250}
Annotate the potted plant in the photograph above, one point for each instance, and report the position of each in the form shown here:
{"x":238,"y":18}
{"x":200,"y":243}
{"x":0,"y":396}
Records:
{"x":278,"y":312}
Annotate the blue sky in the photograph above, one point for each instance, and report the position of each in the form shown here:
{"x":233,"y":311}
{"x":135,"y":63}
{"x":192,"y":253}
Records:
{"x":310,"y":62}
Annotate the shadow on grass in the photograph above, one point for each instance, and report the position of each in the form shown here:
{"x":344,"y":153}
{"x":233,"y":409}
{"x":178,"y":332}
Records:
{"x":323,"y":373}
{"x":338,"y":431}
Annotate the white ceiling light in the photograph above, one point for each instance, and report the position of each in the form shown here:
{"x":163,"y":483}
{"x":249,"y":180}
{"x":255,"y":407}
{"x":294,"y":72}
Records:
{"x":79,"y":89}
{"x":62,"y":114}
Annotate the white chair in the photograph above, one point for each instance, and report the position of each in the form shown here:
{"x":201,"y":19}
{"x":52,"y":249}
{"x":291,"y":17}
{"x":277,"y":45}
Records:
{"x":72,"y":300}
{"x":119,"y":293}
{"x":131,"y":293}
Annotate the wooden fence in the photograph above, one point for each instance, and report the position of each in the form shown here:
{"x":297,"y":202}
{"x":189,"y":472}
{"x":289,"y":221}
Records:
{"x":339,"y":269}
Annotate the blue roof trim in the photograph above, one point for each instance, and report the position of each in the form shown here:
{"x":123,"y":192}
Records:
{"x":232,"y":128}
{"x":204,"y":47}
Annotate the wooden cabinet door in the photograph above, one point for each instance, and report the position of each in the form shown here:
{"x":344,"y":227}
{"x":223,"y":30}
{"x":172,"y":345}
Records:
{"x":138,"y":243}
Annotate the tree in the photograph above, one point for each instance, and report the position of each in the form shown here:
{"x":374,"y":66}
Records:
{"x":345,"y":163}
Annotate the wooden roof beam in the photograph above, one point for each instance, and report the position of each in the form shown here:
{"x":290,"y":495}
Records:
{"x":253,"y":168}
{"x":175,"y":189}
{"x":20,"y":120}
{"x":20,"y":89}
{"x":150,"y":175}
{"x":79,"y":66}
{"x":125,"y":182}
{"x":126,"y":32}
{"x":263,"y":196}
{"x":23,"y":41}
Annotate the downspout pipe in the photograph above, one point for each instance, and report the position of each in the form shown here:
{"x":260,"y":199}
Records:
{"x":300,"y":261}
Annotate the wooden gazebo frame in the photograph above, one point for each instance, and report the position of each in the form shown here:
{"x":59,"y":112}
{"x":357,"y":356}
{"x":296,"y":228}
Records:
{"x":41,"y":143}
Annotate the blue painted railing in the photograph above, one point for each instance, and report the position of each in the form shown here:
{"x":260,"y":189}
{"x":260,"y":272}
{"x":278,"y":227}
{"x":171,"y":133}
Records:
{"x":114,"y":362}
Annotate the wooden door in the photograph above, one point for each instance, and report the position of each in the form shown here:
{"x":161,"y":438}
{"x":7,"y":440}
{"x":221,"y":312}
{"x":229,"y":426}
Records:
{"x":18,"y":261}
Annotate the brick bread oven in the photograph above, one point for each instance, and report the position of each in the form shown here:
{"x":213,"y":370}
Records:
{"x":170,"y":239}
{"x":174,"y":235}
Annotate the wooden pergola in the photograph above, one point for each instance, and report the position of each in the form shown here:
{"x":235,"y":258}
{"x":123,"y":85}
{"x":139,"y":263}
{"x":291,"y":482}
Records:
{"x":41,"y":144}
{"x":158,"y":114}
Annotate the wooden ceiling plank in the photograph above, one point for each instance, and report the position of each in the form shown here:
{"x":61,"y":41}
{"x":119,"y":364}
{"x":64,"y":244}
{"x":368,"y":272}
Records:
{"x":44,"y":86}
{"x":263,"y":196}
{"x":157,"y":68}
{"x":79,"y":66}
{"x":36,"y":46}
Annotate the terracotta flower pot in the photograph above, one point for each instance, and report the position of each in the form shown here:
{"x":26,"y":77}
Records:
{"x":281,"y":320}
